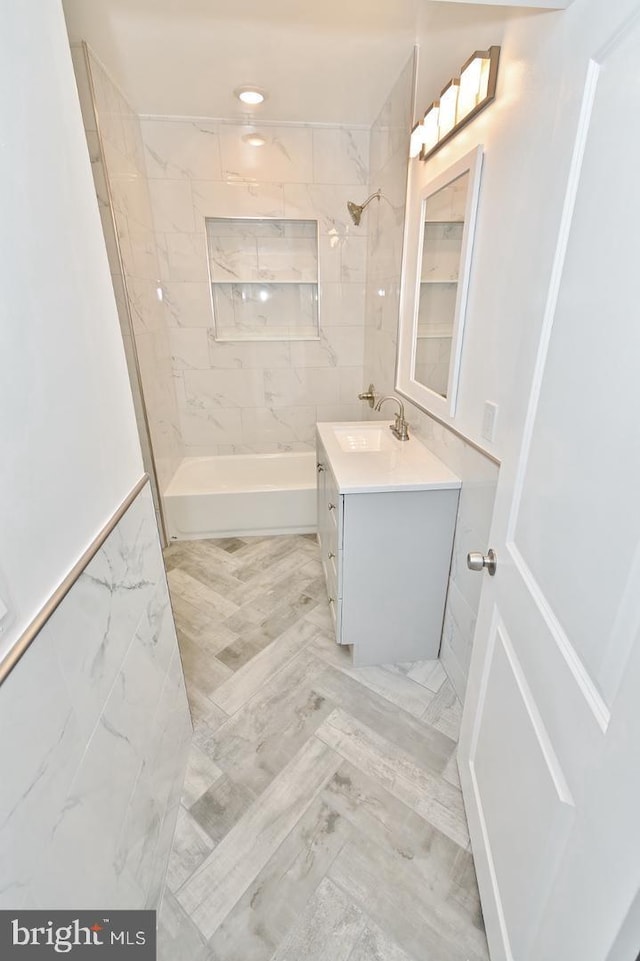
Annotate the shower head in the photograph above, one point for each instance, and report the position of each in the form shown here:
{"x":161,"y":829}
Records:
{"x":355,"y":210}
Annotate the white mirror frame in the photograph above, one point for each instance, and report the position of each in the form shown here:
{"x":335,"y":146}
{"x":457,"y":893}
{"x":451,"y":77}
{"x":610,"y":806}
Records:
{"x":417,"y":195}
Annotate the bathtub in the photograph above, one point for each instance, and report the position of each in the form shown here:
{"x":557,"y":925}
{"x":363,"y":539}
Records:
{"x":240,"y":494}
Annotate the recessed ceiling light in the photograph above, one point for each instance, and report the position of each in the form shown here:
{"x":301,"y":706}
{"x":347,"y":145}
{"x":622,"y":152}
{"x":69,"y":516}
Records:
{"x":250,"y":95}
{"x":254,"y":139}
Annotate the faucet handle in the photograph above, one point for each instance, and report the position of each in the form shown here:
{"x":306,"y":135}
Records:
{"x":369,"y":395}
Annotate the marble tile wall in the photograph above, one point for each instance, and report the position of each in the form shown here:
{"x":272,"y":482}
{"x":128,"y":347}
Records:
{"x":388,"y":166}
{"x":246,"y":397}
{"x":95,"y":737}
{"x":123,"y":195}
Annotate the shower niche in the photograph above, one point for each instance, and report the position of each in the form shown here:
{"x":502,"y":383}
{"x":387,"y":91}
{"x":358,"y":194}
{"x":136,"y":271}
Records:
{"x":264,"y":278}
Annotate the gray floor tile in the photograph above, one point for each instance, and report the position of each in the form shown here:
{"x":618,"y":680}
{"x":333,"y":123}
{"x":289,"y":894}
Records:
{"x":323,"y":813}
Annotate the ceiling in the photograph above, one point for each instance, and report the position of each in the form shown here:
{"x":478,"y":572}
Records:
{"x":332,"y":61}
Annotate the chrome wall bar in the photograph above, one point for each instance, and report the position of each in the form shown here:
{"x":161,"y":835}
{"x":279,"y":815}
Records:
{"x":29,"y":635}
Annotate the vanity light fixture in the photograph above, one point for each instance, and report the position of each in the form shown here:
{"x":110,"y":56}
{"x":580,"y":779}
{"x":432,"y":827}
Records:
{"x":251,"y":96}
{"x":460,"y":101}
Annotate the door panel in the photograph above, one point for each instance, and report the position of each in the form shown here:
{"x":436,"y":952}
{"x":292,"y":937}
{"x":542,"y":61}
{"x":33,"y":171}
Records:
{"x":526,"y":767}
{"x":559,"y":628}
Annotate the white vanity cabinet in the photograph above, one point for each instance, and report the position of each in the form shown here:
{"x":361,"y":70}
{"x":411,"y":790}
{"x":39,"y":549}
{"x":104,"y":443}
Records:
{"x":386,"y":520}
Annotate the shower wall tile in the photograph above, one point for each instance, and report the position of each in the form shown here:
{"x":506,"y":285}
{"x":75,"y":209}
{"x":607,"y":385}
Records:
{"x":123,"y":194}
{"x":172,"y":206}
{"x":98,"y":707}
{"x":187,"y":303}
{"x":188,"y":150}
{"x":189,"y":348}
{"x":205,"y":170}
{"x":286,"y":156}
{"x":340,"y":156}
{"x":388,"y":169}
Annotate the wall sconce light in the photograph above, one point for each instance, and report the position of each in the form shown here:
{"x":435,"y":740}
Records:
{"x":460,"y":101}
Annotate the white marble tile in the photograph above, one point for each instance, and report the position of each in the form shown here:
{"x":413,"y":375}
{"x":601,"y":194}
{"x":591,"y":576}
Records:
{"x":340,"y":156}
{"x":334,"y":412}
{"x":350,"y":381}
{"x":285,"y":156}
{"x":206,"y":428}
{"x":183,"y":257}
{"x":259,"y":354}
{"x":212,"y":199}
{"x":353,"y":269}
{"x":330,"y":258}
{"x":182,"y":149}
{"x":281,"y":426}
{"x":187,"y":304}
{"x":342,"y":304}
{"x":337,"y":347}
{"x":172,"y":206}
{"x":224,"y":388}
{"x":189,"y":349}
{"x":326,"y":204}
{"x":295,"y":387}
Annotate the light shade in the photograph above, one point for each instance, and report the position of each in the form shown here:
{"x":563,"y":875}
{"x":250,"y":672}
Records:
{"x":430,"y":124}
{"x":448,"y":105}
{"x":250,"y":95}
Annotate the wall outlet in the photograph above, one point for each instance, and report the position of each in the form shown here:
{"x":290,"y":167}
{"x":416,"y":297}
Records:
{"x":489,"y":420}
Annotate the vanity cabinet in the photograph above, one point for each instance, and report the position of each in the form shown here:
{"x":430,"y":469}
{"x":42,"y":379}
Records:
{"x":386,"y":551}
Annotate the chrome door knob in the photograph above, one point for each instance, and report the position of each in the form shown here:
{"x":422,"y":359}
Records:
{"x":478,"y":562}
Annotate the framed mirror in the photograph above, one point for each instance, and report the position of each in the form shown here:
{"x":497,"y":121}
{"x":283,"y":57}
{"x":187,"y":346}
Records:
{"x":438,"y":242}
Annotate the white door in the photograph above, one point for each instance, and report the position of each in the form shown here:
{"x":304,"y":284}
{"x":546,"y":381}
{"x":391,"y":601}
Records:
{"x":550,"y":745}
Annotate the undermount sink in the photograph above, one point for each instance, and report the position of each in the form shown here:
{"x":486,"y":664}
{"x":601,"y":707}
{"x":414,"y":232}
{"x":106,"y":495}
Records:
{"x":362,"y":440}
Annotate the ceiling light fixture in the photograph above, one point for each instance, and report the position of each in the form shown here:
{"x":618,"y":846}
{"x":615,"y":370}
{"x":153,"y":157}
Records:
{"x":460,"y":101}
{"x":250,"y":95}
{"x":254,"y":139}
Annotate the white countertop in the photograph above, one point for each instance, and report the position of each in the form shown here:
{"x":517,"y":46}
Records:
{"x":365,"y":457}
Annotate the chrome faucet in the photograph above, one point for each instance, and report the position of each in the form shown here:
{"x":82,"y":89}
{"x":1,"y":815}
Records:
{"x":399,"y":428}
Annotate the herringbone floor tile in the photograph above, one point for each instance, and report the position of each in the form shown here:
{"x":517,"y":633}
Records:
{"x":321,"y":818}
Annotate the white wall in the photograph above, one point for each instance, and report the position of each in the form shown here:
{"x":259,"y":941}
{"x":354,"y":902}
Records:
{"x":70,"y":452}
{"x":94,"y":720}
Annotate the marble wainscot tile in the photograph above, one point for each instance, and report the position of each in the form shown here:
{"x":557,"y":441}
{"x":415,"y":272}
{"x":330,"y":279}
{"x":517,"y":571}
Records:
{"x":145,"y":308}
{"x":172,"y":206}
{"x":285,"y":156}
{"x":108,"y":688}
{"x":212,"y":199}
{"x":340,"y":155}
{"x":42,"y":741}
{"x":188,"y":150}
